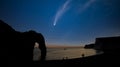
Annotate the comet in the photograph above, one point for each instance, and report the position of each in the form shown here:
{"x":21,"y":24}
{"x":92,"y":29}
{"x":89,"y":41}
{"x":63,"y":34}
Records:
{"x":86,"y":5}
{"x":61,"y":11}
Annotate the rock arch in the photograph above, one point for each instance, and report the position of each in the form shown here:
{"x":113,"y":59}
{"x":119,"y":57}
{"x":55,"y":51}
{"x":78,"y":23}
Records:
{"x":20,"y":45}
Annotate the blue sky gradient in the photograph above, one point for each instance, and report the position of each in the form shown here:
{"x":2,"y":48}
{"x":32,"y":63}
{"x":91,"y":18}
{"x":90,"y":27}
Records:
{"x":79,"y":23}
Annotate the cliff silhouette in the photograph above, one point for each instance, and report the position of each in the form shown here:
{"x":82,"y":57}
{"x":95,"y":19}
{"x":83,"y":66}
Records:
{"x":89,"y":46}
{"x":17,"y":47}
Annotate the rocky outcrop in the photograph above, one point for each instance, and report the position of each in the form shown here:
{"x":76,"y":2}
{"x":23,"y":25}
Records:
{"x":18,"y":46}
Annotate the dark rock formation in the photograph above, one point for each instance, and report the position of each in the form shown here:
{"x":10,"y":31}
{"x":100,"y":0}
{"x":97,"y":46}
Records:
{"x":108,"y":44}
{"x":17,"y":47}
{"x":89,"y":46}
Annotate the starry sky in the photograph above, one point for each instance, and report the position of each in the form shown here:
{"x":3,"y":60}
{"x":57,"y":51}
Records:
{"x":64,"y":22}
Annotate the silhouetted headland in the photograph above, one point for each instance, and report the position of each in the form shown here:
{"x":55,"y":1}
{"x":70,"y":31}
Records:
{"x":89,"y":46}
{"x":17,"y":47}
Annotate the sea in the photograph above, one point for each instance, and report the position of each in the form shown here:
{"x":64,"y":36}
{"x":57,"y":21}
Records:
{"x":65,"y":53}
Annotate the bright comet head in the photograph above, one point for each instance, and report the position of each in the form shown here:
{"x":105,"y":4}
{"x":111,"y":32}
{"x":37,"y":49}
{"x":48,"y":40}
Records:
{"x":54,"y":24}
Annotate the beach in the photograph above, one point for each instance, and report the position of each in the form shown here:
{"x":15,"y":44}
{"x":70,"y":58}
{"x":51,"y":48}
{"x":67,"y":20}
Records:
{"x":61,"y":53}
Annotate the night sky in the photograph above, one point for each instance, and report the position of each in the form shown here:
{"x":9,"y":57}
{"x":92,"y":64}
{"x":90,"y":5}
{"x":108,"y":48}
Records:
{"x":64,"y":22}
